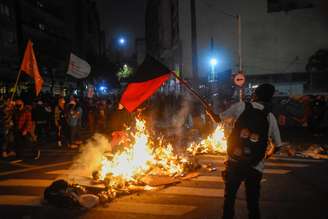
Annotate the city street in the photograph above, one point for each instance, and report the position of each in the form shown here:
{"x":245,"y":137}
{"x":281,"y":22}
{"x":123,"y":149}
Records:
{"x":291,"y":188}
{"x":130,"y":109}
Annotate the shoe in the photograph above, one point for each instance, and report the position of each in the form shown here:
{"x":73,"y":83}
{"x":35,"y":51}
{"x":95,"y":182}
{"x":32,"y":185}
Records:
{"x":4,"y":154}
{"x":12,"y":154}
{"x":59,"y":143}
{"x":37,"y":157}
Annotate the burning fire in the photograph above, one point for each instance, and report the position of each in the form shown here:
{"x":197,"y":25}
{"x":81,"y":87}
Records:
{"x":141,"y":158}
{"x":214,"y":143}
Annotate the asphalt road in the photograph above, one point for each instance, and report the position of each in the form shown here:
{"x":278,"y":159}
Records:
{"x":291,"y":188}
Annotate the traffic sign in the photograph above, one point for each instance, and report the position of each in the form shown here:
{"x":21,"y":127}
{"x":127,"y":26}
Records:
{"x":239,"y":79}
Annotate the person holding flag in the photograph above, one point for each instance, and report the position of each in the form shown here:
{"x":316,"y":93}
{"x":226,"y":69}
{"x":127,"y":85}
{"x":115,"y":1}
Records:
{"x":29,"y":66}
{"x":254,"y":128}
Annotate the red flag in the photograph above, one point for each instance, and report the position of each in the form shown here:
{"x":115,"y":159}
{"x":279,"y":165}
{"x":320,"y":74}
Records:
{"x":148,"y":78}
{"x":30,"y":67}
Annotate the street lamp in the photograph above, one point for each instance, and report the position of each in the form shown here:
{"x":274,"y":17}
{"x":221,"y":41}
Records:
{"x":121,"y":41}
{"x":213,"y":63}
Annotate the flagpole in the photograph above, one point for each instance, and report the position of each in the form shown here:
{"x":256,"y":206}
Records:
{"x":16,"y":84}
{"x":189,"y":88}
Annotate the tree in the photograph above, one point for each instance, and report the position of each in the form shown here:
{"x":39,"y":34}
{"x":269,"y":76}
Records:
{"x":124,"y":72}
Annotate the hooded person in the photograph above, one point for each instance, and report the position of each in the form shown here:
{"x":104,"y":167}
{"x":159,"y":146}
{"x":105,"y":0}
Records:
{"x":254,"y":126}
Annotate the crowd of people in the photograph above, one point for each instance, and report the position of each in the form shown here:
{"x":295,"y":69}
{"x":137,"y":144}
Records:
{"x":309,"y":112}
{"x":26,"y":125}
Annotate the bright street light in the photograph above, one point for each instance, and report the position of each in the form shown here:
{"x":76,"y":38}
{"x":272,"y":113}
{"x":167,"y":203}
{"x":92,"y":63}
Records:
{"x":121,"y":41}
{"x":213,"y":62}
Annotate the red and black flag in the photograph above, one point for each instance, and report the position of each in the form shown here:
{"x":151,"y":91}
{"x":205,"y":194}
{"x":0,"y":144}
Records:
{"x":148,"y":78}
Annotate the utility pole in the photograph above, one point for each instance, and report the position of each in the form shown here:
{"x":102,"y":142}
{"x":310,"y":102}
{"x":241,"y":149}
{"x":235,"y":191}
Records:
{"x":239,"y":54}
{"x":194,"y":42}
{"x":239,"y":41}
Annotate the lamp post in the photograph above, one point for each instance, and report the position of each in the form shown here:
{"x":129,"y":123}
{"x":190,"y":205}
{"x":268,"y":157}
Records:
{"x":213,"y":63}
{"x":239,"y":41}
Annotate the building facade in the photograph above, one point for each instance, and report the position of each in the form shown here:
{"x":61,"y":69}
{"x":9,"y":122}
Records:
{"x":277,"y":36}
{"x":8,"y":40}
{"x":56,"y":29}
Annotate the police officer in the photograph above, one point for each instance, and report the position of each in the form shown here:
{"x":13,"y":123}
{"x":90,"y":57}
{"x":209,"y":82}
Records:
{"x":254,"y":126}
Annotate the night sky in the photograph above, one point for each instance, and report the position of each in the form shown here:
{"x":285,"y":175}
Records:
{"x":122,"y":18}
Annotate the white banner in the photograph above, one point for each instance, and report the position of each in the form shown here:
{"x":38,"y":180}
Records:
{"x":77,"y":67}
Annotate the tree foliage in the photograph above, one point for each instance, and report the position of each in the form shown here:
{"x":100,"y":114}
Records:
{"x":124,"y":72}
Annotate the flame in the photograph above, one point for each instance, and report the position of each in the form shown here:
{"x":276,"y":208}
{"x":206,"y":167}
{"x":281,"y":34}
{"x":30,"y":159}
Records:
{"x":141,"y":158}
{"x":214,"y":143}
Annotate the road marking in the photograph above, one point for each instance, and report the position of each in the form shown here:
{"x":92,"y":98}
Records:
{"x":280,"y":158}
{"x":26,"y":182}
{"x":276,"y":171}
{"x":22,"y":165}
{"x":145,"y":208}
{"x":59,"y":172}
{"x":20,"y":200}
{"x":275,"y":164}
{"x":35,"y":168}
{"x":180,"y":190}
{"x":138,"y":208}
{"x":217,"y":179}
{"x":221,"y":158}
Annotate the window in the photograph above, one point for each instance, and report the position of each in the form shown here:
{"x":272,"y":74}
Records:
{"x":288,"y":5}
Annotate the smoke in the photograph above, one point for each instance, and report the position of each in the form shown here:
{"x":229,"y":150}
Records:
{"x":179,"y":118}
{"x":90,"y":157}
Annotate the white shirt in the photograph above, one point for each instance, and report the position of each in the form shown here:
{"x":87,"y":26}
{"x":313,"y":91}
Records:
{"x":273,"y":133}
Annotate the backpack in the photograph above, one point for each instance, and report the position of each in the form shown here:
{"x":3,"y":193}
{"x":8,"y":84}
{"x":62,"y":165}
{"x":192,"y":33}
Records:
{"x":60,"y":195}
{"x":248,"y":140}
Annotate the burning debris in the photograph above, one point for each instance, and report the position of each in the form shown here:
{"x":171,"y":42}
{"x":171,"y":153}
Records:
{"x":214,"y":143}
{"x":137,"y":164}
{"x":140,"y":158}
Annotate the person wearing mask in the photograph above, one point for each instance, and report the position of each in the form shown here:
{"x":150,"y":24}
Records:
{"x":254,"y":126}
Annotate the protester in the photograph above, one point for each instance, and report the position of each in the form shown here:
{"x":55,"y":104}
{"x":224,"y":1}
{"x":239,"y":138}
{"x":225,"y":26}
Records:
{"x":8,"y":130}
{"x":73,"y":119}
{"x":39,"y":115}
{"x":101,"y":115}
{"x":61,"y":123}
{"x":24,"y":130}
{"x":91,"y":116}
{"x":247,"y":146}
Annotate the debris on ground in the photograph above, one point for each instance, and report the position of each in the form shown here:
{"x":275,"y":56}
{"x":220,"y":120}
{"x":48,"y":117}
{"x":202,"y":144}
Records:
{"x":315,"y":152}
